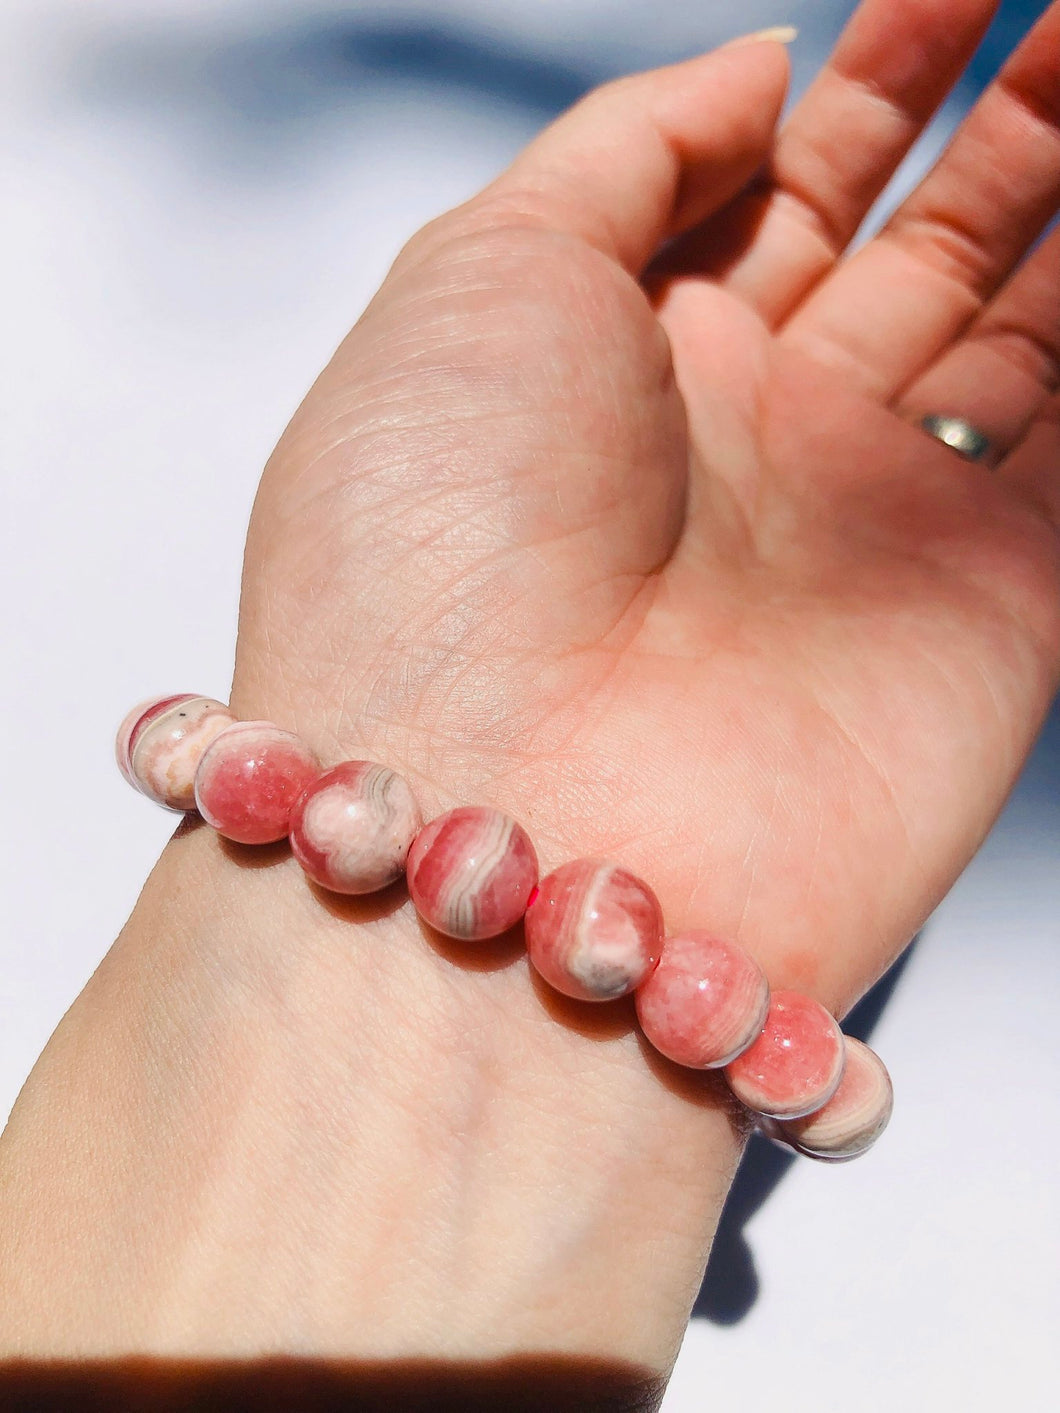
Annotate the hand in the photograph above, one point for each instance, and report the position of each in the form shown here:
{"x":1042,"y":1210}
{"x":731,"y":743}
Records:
{"x":664,"y":566}
{"x":612,"y":511}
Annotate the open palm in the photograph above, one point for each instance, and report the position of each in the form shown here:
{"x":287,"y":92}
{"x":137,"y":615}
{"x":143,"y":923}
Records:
{"x":614,"y":511}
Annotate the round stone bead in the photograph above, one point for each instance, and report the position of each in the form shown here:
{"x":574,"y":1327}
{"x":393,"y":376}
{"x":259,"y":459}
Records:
{"x":160,"y":744}
{"x":471,"y":872}
{"x":795,"y":1065}
{"x":852,"y":1120}
{"x":593,"y":930}
{"x":249,"y":779}
{"x":704,"y":1003}
{"x":352,"y":827}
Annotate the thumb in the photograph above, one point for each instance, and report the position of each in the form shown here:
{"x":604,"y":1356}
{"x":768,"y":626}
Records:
{"x":644,"y":158}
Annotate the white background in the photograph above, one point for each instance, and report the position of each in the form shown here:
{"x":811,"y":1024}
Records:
{"x":198,"y":197}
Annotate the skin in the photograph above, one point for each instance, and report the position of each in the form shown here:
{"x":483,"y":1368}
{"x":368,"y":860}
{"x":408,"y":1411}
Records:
{"x":644,"y":546}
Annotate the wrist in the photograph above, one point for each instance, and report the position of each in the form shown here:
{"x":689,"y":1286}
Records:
{"x":280,"y":1120}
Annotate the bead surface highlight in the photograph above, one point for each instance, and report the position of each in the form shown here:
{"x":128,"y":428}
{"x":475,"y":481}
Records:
{"x":852,"y":1120}
{"x":471,"y":872}
{"x":795,"y":1065}
{"x":352,"y":827}
{"x":704,"y":1003}
{"x":593,"y":930}
{"x":161,"y":741}
{"x":249,"y":779}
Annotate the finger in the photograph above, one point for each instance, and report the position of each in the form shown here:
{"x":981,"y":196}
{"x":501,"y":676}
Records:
{"x":1032,"y":470}
{"x":644,"y":158}
{"x":892,"y":67}
{"x":888,"y":312}
{"x":1001,"y":374}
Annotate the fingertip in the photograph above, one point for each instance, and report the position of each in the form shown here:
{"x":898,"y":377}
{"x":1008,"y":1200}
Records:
{"x":722,"y":119}
{"x":775,"y":34}
{"x":743,"y":82}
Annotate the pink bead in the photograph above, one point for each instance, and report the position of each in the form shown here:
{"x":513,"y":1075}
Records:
{"x":852,"y":1120}
{"x":795,"y":1065}
{"x":352,"y":827}
{"x":593,"y":930}
{"x":704,"y":1003}
{"x":471,"y":872}
{"x":249,"y":778}
{"x":161,"y":741}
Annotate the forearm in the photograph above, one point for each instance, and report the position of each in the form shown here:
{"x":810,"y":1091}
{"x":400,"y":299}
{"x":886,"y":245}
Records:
{"x":278,"y":1123}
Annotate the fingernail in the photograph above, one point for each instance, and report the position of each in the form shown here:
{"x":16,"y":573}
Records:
{"x":779,"y":34}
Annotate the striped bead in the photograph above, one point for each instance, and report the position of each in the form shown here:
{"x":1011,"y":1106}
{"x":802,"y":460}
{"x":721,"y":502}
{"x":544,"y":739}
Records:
{"x":471,"y":872}
{"x":795,"y":1065}
{"x":249,"y":779}
{"x":704,"y":1003}
{"x":161,"y":741}
{"x":593,"y":930}
{"x":352,"y":827}
{"x":852,"y":1120}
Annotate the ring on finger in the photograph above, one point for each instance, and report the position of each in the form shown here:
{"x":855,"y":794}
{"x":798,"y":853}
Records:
{"x":960,"y":436}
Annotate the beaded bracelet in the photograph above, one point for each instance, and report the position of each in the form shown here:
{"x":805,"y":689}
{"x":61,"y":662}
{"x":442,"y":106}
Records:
{"x":594,"y":931}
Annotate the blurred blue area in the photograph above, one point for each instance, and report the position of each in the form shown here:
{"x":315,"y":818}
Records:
{"x":1011,"y":23}
{"x":256,"y":84}
{"x":267,"y":85}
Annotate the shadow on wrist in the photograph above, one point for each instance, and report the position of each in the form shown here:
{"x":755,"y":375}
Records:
{"x":514,"y":1385}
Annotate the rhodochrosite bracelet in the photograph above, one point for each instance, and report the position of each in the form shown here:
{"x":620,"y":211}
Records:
{"x":594,"y":931}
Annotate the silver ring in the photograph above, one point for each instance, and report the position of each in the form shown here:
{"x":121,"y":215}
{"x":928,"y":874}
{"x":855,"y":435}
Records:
{"x":960,"y":436}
